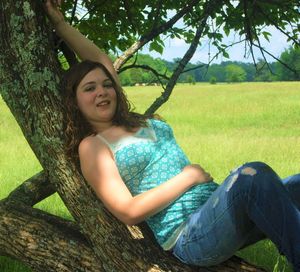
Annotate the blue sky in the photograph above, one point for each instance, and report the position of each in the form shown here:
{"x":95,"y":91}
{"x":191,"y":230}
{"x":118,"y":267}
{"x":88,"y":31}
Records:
{"x":175,"y":48}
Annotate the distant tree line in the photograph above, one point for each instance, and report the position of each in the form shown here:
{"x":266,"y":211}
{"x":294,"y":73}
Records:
{"x":146,"y":69}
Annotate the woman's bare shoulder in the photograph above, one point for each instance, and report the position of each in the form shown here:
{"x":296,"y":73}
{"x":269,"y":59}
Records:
{"x":90,"y":144}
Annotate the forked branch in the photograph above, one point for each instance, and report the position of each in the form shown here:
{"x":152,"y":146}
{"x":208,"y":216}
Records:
{"x":120,"y":61}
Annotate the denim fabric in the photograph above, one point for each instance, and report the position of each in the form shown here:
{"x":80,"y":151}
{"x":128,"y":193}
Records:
{"x":253,"y":203}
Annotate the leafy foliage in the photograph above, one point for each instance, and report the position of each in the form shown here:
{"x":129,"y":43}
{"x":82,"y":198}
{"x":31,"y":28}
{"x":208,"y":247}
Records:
{"x":116,"y":25}
{"x":292,"y":57}
{"x":235,"y":73}
{"x":122,"y":27}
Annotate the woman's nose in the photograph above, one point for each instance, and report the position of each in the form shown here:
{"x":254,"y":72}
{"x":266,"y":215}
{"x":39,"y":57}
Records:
{"x":100,"y":91}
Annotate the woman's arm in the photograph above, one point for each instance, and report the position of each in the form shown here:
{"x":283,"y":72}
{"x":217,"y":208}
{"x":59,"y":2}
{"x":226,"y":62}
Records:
{"x":101,"y":172}
{"x":83,"y":47}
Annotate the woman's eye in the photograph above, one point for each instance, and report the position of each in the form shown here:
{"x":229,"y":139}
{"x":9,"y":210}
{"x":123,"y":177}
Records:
{"x":90,"y":88}
{"x":108,"y":85}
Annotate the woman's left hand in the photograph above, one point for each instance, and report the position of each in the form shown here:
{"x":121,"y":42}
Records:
{"x":197,"y":174}
{"x":53,"y":11}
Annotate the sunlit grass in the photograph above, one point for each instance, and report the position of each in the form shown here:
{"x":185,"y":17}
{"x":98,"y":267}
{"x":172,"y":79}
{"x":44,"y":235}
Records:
{"x":219,"y":126}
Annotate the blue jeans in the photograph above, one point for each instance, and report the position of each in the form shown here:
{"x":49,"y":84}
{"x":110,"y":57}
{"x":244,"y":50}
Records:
{"x":253,"y":203}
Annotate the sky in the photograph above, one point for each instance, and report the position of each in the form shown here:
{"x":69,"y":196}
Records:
{"x":175,"y":48}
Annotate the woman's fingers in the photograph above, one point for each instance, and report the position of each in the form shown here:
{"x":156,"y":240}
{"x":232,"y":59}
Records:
{"x":57,"y":2}
{"x":53,"y":3}
{"x":206,"y":174}
{"x":53,"y":11}
{"x":210,"y":177}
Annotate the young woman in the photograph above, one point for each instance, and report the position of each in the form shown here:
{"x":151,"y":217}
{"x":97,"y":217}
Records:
{"x":138,"y":171}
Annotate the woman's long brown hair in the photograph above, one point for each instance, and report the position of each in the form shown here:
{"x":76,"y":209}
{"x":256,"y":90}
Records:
{"x":76,"y":127}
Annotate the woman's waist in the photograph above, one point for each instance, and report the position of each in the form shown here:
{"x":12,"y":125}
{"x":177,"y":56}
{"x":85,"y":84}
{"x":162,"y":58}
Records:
{"x":166,"y":224}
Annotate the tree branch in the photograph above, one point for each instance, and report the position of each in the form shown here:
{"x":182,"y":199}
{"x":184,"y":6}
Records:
{"x":170,"y":86}
{"x":262,"y":52}
{"x":208,"y":8}
{"x":152,"y":34}
{"x":280,"y":61}
{"x":44,"y":242}
{"x":276,"y":25}
{"x":73,"y":12}
{"x":248,"y":31}
{"x":145,"y":67}
{"x":33,"y":190}
{"x":195,"y":68}
{"x":99,"y":4}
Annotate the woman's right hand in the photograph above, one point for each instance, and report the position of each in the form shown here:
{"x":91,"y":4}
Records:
{"x":53,"y":11}
{"x":197,"y":174}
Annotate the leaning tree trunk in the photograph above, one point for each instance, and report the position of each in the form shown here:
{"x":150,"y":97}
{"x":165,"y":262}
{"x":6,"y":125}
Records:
{"x":96,"y":241}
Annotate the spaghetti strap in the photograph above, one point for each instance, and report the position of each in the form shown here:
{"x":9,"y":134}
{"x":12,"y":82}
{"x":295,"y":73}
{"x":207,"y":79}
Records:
{"x":107,"y":144}
{"x":103,"y":139}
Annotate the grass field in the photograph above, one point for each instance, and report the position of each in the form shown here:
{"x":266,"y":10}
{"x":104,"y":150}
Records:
{"x":219,"y":126}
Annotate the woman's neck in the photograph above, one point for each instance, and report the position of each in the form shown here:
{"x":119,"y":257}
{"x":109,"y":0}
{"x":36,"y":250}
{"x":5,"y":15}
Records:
{"x":101,"y":127}
{"x":115,"y":133}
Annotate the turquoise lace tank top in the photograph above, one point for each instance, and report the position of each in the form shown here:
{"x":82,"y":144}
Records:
{"x":148,"y":158}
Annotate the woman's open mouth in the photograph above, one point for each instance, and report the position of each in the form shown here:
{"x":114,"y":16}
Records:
{"x":103,"y":103}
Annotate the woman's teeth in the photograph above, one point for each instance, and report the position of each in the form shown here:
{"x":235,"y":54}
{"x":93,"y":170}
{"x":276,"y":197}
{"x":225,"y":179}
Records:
{"x":103,"y":103}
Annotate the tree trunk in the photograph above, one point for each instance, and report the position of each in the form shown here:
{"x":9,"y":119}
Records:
{"x":30,"y":76}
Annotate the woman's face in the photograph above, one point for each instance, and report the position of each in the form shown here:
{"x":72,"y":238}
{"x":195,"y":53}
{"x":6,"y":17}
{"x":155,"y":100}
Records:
{"x":97,"y":99}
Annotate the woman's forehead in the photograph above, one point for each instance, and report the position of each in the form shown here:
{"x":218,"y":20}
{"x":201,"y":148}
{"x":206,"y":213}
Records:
{"x":95,"y":75}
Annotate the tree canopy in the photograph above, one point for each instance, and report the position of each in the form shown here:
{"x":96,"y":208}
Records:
{"x":124,"y":27}
{"x":116,"y":26}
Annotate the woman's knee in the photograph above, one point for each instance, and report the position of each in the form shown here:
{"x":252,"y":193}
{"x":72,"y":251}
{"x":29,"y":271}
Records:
{"x":257,"y":173}
{"x":256,"y":166}
{"x":258,"y":170}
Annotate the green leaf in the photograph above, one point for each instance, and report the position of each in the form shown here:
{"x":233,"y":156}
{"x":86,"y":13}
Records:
{"x":155,"y":46}
{"x":227,"y":31}
{"x":225,"y":54}
{"x":266,"y":35}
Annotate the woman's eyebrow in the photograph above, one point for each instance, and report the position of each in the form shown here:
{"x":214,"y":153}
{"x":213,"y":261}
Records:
{"x":94,"y":82}
{"x":87,"y":83}
{"x":107,"y":79}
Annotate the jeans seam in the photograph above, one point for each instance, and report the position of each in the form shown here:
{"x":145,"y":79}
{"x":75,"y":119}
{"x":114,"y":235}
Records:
{"x":275,"y":232}
{"x":250,"y":197}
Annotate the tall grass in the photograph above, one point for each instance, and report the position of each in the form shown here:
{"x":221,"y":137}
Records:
{"x":219,"y":126}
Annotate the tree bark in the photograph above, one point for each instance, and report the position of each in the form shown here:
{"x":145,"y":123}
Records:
{"x":44,"y":242}
{"x":49,"y":243}
{"x":30,"y":76}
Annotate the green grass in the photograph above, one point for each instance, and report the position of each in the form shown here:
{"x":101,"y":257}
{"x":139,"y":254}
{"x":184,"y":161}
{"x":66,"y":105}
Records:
{"x":219,"y":126}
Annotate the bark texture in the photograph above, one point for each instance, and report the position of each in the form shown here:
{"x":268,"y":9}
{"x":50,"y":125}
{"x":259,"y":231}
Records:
{"x":96,"y":241}
{"x":44,"y":242}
